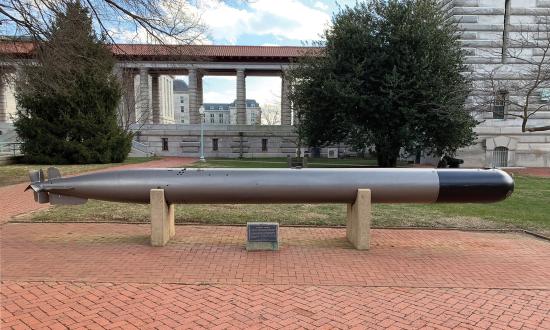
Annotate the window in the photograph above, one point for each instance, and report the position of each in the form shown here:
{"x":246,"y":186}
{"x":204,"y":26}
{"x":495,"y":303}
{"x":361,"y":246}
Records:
{"x":220,"y":107}
{"x":500,"y":105}
{"x":212,"y":120}
{"x":182,"y":108}
{"x":214,"y":144}
{"x":182,"y":99}
{"x":264,"y":145}
{"x":183,"y":121}
{"x":164,"y":144}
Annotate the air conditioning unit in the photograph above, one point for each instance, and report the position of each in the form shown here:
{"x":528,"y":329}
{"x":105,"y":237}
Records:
{"x":332,"y":152}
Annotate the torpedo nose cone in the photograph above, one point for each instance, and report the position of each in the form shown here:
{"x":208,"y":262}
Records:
{"x":479,"y":186}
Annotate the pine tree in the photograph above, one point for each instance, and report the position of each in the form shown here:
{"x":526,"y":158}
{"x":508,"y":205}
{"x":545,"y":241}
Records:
{"x":67,"y":101}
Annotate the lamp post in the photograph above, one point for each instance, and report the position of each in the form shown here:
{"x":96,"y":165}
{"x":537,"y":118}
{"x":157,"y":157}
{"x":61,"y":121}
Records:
{"x":201,"y":112}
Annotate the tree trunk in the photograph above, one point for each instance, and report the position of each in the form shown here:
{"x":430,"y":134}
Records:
{"x":386,"y":156}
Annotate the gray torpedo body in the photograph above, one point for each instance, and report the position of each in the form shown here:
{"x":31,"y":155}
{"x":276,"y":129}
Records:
{"x":226,"y":185}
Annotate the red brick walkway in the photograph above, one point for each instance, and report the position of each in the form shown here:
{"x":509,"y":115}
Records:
{"x":14,"y":201}
{"x":106,"y":275}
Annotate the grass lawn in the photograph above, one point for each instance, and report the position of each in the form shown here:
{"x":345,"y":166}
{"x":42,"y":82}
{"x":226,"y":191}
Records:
{"x":17,"y":173}
{"x":283,"y":162}
{"x":528,"y":208}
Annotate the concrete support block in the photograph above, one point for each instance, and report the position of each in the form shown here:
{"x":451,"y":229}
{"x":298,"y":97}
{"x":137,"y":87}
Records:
{"x":172,"y":219}
{"x":286,"y":117}
{"x":162,"y":218}
{"x":359,"y":219}
{"x":241,"y":97}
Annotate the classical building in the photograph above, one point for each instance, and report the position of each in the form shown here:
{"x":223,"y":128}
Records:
{"x":166,"y":116}
{"x":504,"y":41}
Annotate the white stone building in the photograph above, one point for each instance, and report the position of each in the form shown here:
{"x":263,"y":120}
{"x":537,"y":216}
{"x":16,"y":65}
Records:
{"x":501,"y":38}
{"x":226,"y":113}
{"x":181,"y":102}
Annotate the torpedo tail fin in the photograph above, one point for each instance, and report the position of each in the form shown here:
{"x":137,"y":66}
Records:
{"x":37,"y":178}
{"x":53,"y":173}
{"x":42,"y":195}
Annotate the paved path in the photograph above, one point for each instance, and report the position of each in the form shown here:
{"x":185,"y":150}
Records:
{"x":533,"y":171}
{"x":106,"y":275}
{"x":14,"y":201}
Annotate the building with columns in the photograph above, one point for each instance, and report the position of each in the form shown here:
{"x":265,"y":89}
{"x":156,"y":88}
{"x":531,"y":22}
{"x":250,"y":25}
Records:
{"x":487,"y":26}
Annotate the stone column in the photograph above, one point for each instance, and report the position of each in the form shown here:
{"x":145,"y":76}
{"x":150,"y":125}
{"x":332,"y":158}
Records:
{"x":240,"y":104}
{"x":143,"y":102}
{"x":286,"y":117}
{"x":199,"y":90}
{"x":3,"y":105}
{"x":155,"y":95}
{"x":128,"y":96}
{"x":194,"y":116}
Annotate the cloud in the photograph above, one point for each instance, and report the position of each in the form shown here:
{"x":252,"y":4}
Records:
{"x":282,"y":20}
{"x":265,"y":90}
{"x":320,"y":5}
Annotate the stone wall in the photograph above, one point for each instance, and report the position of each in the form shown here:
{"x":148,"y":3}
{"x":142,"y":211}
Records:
{"x":233,"y":140}
{"x":490,"y":29}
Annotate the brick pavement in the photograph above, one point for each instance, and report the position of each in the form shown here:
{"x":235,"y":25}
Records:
{"x":106,"y":276}
{"x":166,"y":306}
{"x":14,"y":201}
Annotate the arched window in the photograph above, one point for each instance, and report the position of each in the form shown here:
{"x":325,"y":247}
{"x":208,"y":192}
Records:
{"x":500,"y":157}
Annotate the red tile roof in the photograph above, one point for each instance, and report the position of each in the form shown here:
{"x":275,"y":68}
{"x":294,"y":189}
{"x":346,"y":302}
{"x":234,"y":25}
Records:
{"x":160,"y":51}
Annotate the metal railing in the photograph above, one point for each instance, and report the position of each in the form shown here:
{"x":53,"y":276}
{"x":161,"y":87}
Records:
{"x":500,"y":157}
{"x":10,"y":148}
{"x":142,"y":147}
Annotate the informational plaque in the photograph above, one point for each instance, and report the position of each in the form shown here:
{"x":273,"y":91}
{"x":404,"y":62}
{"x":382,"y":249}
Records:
{"x":262,"y":236}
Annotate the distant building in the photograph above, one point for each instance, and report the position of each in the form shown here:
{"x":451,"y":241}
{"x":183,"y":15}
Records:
{"x":226,"y":113}
{"x":253,"y":113}
{"x":215,"y":113}
{"x":181,"y":102}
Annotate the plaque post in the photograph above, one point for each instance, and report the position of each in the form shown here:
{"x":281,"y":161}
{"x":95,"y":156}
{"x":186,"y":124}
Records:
{"x":359,"y":216}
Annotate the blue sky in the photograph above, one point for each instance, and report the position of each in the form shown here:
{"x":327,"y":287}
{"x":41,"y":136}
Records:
{"x":261,"y":22}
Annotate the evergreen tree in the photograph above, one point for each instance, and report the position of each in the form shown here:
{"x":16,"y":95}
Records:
{"x":67,"y":101}
{"x":390,"y":77}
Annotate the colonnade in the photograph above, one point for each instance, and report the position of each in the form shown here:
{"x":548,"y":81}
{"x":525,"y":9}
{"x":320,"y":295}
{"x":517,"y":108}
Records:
{"x":143,"y":104}
{"x":146,"y":99}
